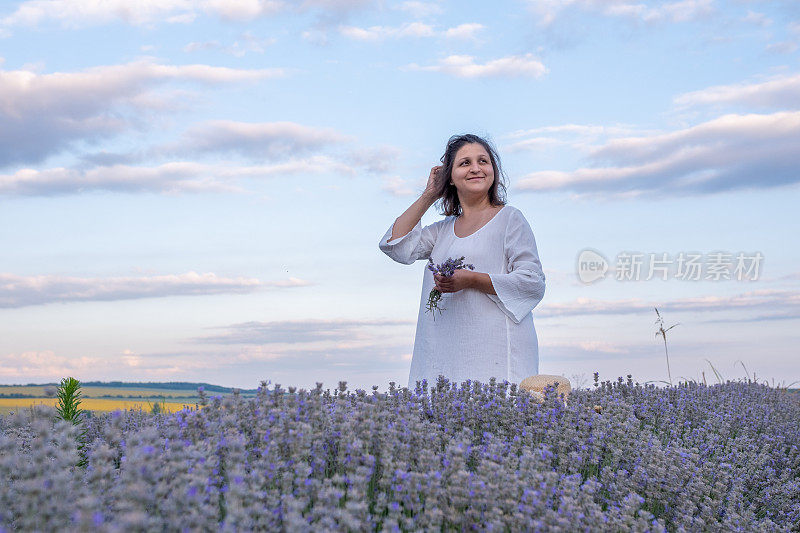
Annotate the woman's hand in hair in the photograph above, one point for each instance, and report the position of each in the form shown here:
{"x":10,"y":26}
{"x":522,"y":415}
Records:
{"x":434,"y":184}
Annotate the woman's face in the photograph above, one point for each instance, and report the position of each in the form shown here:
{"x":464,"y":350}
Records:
{"x":472,"y":174}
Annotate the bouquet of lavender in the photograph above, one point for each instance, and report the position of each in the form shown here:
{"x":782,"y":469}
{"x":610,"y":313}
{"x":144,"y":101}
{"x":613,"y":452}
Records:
{"x":445,"y":269}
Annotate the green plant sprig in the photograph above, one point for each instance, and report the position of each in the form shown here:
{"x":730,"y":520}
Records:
{"x":68,"y":400}
{"x":68,"y":408}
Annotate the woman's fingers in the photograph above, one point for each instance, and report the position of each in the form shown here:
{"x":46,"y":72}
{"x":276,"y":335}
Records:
{"x":443,"y":284}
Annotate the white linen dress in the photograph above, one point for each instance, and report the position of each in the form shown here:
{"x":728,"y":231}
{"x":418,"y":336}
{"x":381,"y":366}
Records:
{"x":477,"y":335}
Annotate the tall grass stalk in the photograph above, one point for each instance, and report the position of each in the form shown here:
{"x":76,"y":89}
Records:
{"x":746,"y":373}
{"x":716,"y":373}
{"x":781,"y":385}
{"x":663,"y":332}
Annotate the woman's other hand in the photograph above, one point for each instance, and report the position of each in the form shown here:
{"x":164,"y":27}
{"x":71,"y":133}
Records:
{"x":461,"y":279}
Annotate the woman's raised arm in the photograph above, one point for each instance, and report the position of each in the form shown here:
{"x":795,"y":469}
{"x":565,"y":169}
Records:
{"x":413,"y":214}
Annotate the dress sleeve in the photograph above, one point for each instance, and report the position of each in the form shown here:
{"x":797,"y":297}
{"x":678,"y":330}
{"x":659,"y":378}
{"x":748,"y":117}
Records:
{"x":519,"y":291}
{"x":414,"y":245}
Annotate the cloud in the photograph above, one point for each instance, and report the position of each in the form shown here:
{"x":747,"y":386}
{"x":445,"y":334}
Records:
{"x":783,"y":47}
{"x":22,"y":291}
{"x":41,"y":114}
{"x":410,"y":29}
{"x":360,"y":366}
{"x":377,"y":160}
{"x":464,"y":31}
{"x":330,"y":363}
{"x":376,"y":33}
{"x":77,"y":14}
{"x":772,"y":300}
{"x":282,"y":140}
{"x":420,"y":9}
{"x":240,"y":48}
{"x":794,"y":276}
{"x":196,"y":46}
{"x":372,"y":360}
{"x":584,"y":130}
{"x":278,"y":140}
{"x":32,"y":364}
{"x":463,"y":66}
{"x":681,"y":11}
{"x":118,"y":172}
{"x":329,"y":14}
{"x":335,"y":8}
{"x":792,"y":43}
{"x":48,"y":366}
{"x":591,"y":346}
{"x":364,"y":351}
{"x":778,"y":93}
{"x":301,"y":331}
{"x":579,"y":136}
{"x":397,"y":186}
{"x":769,"y":317}
{"x":243,"y":10}
{"x":171,"y":178}
{"x":538,"y":143}
{"x":549,"y":12}
{"x":732,"y":152}
{"x":81,"y":13}
{"x":588,"y":351}
{"x":757,"y":19}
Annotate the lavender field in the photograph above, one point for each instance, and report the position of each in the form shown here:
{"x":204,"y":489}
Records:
{"x":616,"y":457}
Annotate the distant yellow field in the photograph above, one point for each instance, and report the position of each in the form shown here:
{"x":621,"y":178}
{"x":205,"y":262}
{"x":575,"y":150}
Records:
{"x":93,"y":392}
{"x":8,"y":405}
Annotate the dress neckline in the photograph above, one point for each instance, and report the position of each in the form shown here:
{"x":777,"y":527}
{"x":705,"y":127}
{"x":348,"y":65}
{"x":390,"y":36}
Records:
{"x":477,"y":230}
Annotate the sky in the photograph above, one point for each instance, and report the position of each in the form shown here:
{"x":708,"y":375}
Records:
{"x":194,"y":190}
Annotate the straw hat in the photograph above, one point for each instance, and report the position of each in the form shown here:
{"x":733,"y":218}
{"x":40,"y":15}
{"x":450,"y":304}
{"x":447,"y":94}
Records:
{"x":535,"y":385}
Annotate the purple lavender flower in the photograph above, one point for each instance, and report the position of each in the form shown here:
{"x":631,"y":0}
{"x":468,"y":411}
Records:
{"x":445,"y":269}
{"x":447,"y":457}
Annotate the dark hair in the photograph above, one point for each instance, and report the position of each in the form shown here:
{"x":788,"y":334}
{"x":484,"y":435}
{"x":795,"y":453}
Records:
{"x":448,"y":195}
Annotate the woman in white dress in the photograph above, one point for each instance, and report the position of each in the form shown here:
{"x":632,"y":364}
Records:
{"x":486,"y":327}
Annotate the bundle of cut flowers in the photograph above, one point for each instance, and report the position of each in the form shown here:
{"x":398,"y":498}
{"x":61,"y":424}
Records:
{"x":445,"y":269}
{"x":468,"y":457}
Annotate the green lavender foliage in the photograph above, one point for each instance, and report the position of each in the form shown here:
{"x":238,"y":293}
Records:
{"x":468,"y":457}
{"x":68,"y":401}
